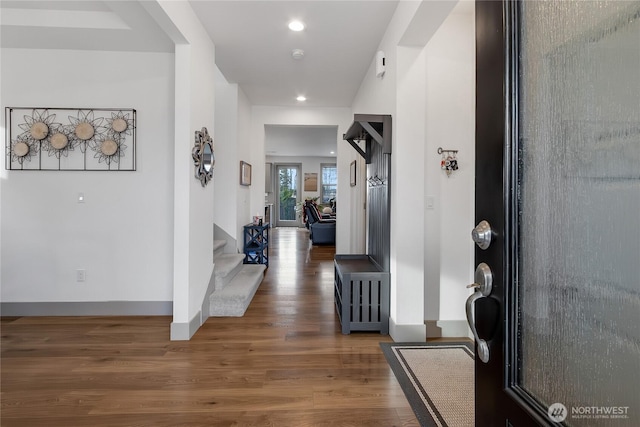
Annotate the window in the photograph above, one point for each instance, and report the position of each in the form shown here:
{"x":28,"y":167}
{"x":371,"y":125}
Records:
{"x":329,"y":182}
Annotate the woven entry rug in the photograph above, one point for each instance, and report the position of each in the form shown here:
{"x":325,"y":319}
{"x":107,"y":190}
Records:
{"x":437,"y":379}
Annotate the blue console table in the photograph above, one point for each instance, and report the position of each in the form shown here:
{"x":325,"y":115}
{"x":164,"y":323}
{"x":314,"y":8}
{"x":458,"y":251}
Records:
{"x":256,"y":244}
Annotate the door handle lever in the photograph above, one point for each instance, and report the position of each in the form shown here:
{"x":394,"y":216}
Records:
{"x":483,"y":347}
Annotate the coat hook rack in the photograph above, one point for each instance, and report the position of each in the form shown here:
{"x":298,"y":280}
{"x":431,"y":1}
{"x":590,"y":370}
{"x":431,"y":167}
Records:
{"x":449,"y":161}
{"x":375,"y":181}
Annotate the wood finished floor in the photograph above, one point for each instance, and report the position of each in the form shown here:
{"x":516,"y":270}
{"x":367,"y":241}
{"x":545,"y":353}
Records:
{"x":285,"y":363}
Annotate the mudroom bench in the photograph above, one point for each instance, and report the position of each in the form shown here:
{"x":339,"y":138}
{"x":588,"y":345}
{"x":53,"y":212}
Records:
{"x":361,"y":294}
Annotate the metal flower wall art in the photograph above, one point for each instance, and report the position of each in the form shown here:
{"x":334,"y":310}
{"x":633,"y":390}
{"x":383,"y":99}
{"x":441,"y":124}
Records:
{"x":70,"y":139}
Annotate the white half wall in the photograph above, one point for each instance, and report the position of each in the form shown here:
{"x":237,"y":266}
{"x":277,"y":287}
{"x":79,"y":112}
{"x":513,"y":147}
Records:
{"x":122,"y":234}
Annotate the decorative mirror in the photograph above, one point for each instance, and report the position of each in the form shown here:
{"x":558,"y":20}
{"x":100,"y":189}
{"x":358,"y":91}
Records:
{"x":203,"y":156}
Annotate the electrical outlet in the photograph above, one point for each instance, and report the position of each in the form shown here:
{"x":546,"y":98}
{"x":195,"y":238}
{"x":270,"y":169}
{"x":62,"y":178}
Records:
{"x":81,"y":275}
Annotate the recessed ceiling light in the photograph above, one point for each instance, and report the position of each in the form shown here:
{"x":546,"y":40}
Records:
{"x":296,"y":26}
{"x":301,"y":98}
{"x":332,"y":152}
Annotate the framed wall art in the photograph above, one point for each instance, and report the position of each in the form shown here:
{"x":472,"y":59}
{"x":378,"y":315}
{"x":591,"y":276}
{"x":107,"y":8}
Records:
{"x":245,"y":173}
{"x":310,"y":181}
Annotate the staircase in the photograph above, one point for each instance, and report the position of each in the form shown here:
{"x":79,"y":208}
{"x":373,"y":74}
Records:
{"x":235,"y":283}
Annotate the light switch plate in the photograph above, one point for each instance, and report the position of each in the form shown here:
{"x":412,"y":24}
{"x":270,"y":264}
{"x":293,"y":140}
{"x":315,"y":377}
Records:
{"x":431,"y":202}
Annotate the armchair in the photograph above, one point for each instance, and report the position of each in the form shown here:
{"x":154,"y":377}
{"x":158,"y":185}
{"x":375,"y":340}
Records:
{"x":321,"y":231}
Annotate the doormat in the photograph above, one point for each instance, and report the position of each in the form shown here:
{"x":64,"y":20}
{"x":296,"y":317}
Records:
{"x":437,"y":379}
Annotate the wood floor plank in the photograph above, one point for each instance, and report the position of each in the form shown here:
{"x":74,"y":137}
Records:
{"x":175,"y":379}
{"x":383,"y":417}
{"x":82,"y":350}
{"x":284,"y":363}
{"x":360,"y":396}
{"x":335,"y":378}
{"x":211,"y":400}
{"x":46,"y":403}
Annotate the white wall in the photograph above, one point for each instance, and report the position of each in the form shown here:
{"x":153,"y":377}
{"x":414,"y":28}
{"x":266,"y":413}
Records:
{"x":410,"y":92}
{"x":231,"y":145}
{"x":246,"y":152}
{"x":380,"y":96}
{"x":193,"y":204}
{"x":340,"y":117}
{"x":122,"y":234}
{"x":450,"y":125}
{"x":225,"y":146}
{"x":407,"y":209}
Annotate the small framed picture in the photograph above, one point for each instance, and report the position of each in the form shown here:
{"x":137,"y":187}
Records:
{"x":245,"y":173}
{"x":352,"y":174}
{"x":310,"y":182}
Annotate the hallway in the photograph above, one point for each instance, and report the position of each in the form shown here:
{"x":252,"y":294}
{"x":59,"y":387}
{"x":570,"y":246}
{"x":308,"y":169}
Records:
{"x":285,"y":363}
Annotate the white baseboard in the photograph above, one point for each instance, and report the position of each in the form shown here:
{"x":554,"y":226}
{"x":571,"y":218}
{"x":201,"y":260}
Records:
{"x":454,"y":328}
{"x":183,"y":331}
{"x":407,"y":332}
{"x":433,"y":330}
{"x":87,"y":308}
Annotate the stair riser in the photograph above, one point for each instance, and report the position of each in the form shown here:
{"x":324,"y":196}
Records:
{"x":234,"y":299}
{"x":218,"y":248}
{"x":222,"y":281}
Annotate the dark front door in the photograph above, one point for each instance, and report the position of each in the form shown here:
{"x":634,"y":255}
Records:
{"x":556,"y":307}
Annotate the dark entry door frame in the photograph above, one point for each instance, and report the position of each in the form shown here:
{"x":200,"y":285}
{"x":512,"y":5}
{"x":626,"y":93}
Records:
{"x":543,"y":266}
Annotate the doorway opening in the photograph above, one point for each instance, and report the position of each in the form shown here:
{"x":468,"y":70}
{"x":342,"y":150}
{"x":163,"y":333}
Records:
{"x":288,"y":195}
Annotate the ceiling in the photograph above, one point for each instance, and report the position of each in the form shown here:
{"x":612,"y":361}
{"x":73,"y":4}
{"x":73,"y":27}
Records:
{"x":84,"y":25}
{"x":301,"y":141}
{"x":253,"y":42}
{"x":254,"y":47}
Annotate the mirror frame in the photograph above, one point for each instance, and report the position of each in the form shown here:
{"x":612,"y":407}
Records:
{"x":203,"y":156}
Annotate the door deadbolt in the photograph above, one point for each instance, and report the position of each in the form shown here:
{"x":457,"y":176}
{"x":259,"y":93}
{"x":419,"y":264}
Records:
{"x":482,"y":234}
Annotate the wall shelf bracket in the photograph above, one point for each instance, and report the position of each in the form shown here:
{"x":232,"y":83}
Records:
{"x":368,"y":128}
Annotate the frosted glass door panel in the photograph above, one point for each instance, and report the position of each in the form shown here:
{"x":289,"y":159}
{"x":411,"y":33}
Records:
{"x":579,"y":255}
